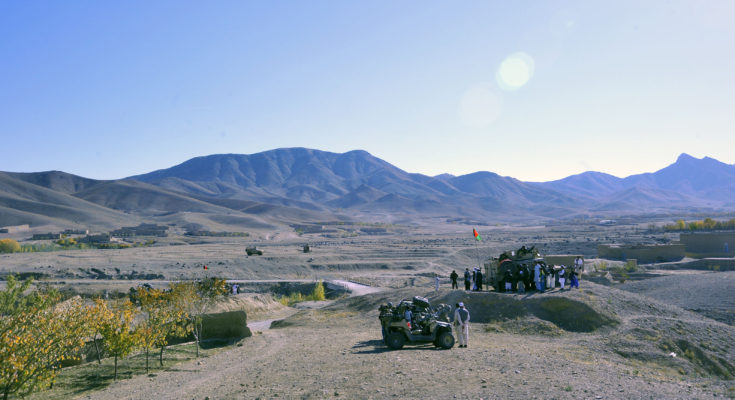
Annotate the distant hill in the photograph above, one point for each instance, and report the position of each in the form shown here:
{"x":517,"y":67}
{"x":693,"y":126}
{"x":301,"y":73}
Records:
{"x":689,"y":183}
{"x":47,"y":198}
{"x":292,"y":185}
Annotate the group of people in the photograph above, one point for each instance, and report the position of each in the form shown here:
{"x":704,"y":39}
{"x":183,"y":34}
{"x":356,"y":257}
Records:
{"x":539,"y":276}
{"x":542,"y":277}
{"x":472,"y":280}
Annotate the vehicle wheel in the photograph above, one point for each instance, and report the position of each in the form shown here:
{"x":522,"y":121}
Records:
{"x":395,"y":340}
{"x":445,"y":340}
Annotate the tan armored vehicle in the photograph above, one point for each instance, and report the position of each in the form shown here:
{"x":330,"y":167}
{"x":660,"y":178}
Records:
{"x":510,"y":263}
{"x":426,"y":323}
{"x":252,"y":251}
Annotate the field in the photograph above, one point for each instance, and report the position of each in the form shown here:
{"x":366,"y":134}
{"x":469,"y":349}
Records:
{"x":602,"y":341}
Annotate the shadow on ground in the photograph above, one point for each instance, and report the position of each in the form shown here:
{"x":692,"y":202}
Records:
{"x":377,"y":346}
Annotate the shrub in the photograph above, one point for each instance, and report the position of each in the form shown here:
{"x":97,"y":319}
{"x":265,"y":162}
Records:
{"x":316,"y":295}
{"x":9,"y":246}
{"x":631,"y":266}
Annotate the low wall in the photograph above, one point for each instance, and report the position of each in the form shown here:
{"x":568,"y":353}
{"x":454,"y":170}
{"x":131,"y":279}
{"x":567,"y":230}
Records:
{"x":645,"y":254}
{"x":709,"y":244}
{"x":225,"y":325}
{"x":712,"y":264}
{"x":562,"y":259}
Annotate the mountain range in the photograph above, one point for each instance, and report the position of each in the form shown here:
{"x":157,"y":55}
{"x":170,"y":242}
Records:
{"x":293,"y":185}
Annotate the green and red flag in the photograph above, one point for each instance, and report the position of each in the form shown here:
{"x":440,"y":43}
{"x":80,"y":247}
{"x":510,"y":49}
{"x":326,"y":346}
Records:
{"x":477,"y":235}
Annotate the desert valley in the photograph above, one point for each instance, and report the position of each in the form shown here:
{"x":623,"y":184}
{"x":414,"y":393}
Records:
{"x":653,"y":328}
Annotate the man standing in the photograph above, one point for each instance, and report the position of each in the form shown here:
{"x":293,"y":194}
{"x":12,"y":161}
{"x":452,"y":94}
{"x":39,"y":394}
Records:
{"x":579,"y":265}
{"x":436,"y":282}
{"x":537,"y":277}
{"x":408,"y":316}
{"x":573,"y":279}
{"x":454,"y":277}
{"x":478,"y":279}
{"x":455,"y":320}
{"x":462,"y":317}
{"x":467,"y":279}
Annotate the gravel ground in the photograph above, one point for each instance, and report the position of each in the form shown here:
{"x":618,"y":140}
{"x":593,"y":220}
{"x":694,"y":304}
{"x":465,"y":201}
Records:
{"x":711,"y":294}
{"x":336,"y":352}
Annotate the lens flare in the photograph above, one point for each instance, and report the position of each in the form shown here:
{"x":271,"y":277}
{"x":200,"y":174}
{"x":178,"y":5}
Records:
{"x":480,"y":106}
{"x":515,"y":71}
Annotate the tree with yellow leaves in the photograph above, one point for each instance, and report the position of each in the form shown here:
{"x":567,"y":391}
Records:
{"x":9,"y":246}
{"x":116,"y":326}
{"x":163,"y":319}
{"x":195,"y":298}
{"x":37,"y":333}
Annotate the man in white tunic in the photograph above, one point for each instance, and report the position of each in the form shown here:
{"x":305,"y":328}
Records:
{"x":462,"y":316}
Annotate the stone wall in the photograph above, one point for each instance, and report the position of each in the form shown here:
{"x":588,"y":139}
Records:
{"x":645,"y":254}
{"x":709,"y":244}
{"x":562,"y":259}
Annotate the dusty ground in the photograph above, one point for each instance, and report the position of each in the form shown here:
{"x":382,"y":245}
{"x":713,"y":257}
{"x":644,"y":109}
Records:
{"x":599,"y":342}
{"x":709,"y":293}
{"x":336,"y":352}
{"x":383,"y":259}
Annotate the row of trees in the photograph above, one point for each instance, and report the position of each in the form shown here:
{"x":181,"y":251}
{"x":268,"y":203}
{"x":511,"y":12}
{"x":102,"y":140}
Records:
{"x":39,"y":331}
{"x":12,"y":246}
{"x":707,"y":224}
{"x":9,"y":246}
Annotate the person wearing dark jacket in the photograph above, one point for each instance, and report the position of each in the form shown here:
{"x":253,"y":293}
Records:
{"x":573,"y":281}
{"x":508,"y":278}
{"x":467,"y":279}
{"x":454,"y":277}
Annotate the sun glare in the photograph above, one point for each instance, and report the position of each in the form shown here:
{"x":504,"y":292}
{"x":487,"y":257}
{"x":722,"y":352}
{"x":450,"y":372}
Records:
{"x":480,"y":106}
{"x":515,"y":71}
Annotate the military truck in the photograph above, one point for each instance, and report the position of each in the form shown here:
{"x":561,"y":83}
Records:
{"x":511,"y":263}
{"x":428,"y":324}
{"x":252,"y":251}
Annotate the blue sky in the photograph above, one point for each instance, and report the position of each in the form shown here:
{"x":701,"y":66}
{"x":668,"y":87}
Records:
{"x":536,"y":90}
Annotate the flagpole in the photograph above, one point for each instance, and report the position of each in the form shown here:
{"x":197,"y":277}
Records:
{"x":477,"y":250}
{"x":477,"y":254}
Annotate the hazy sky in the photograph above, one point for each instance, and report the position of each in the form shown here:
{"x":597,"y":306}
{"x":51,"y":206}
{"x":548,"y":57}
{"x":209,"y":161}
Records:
{"x":536,"y":90}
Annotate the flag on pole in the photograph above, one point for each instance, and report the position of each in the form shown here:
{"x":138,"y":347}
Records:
{"x":205,"y":267}
{"x":477,"y":235}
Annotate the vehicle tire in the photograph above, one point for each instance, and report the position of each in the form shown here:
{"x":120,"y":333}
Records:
{"x":395,"y":340}
{"x":445,"y":340}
